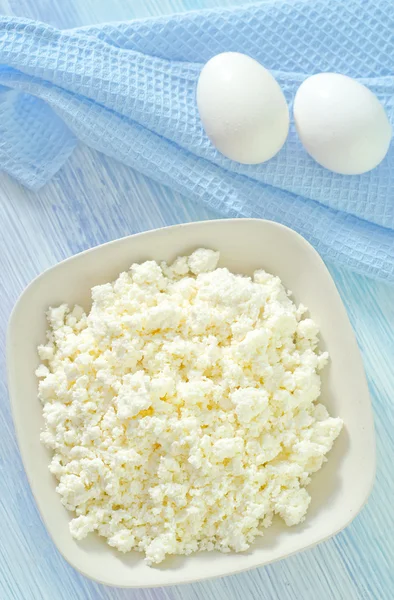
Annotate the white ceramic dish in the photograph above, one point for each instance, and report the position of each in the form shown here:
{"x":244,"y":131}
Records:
{"x":338,"y":491}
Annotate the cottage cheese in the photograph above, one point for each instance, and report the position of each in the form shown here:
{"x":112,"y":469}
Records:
{"x":181,"y":410}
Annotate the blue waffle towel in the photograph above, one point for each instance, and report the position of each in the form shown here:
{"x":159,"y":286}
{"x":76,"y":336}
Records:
{"x":128,"y":90}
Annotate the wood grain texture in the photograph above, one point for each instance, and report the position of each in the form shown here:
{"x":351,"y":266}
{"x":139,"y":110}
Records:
{"x":93,"y":200}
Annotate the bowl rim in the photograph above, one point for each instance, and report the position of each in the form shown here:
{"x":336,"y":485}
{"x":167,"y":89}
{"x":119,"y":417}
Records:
{"x":19,"y":433}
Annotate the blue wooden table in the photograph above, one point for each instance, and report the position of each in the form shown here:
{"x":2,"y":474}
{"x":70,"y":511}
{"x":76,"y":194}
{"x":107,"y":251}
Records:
{"x":92,"y":200}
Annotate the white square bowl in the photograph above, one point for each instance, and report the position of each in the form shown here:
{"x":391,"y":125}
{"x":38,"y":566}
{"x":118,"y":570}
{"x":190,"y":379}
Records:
{"x":338,"y":491}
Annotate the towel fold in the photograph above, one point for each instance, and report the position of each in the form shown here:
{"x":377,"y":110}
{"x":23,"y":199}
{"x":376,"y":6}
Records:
{"x":128,"y":90}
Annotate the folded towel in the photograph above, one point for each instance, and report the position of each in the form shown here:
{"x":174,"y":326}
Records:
{"x":128,"y":90}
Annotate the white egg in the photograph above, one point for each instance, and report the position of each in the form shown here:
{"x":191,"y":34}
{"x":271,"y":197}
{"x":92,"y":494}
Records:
{"x":341,"y":123}
{"x":242,"y":108}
